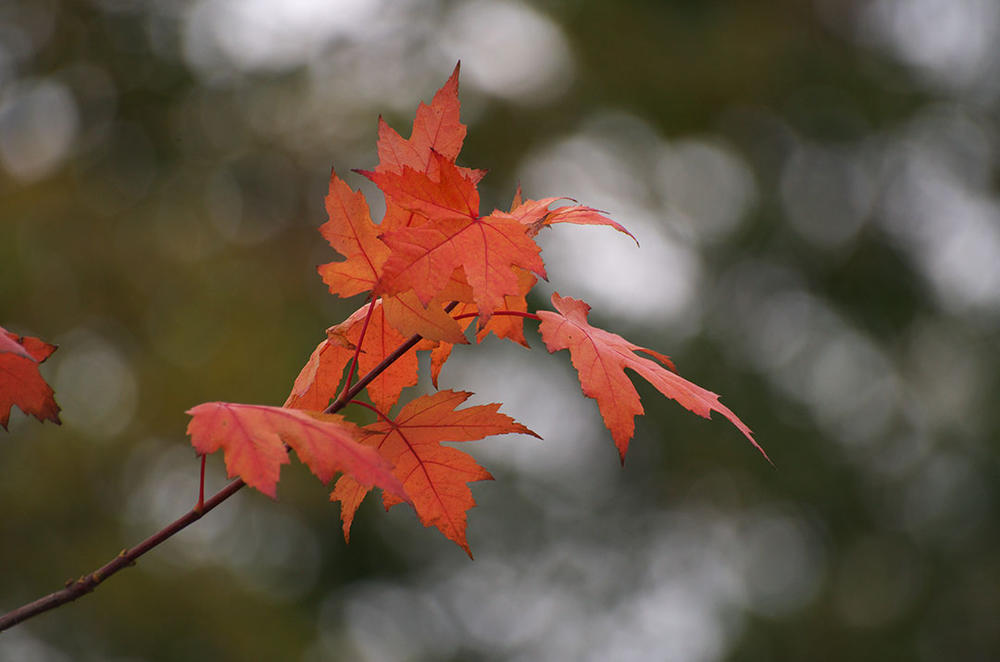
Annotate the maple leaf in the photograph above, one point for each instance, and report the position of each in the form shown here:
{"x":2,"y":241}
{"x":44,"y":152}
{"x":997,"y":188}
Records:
{"x":10,"y":345}
{"x":511,"y":327}
{"x":579,"y":215}
{"x":442,"y":192}
{"x":352,"y":233}
{"x":380,"y":340}
{"x":600,"y":358}
{"x":424,"y":257}
{"x":318,"y":380}
{"x":436,"y":128}
{"x":350,"y":230}
{"x":253,"y":439}
{"x":320,"y":377}
{"x":436,"y":477}
{"x":409,"y":316}
{"x":535,"y":214}
{"x":21,"y":383}
{"x":502,"y":326}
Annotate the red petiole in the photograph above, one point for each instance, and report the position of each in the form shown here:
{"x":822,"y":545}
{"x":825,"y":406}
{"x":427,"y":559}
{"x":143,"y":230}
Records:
{"x":509,"y":313}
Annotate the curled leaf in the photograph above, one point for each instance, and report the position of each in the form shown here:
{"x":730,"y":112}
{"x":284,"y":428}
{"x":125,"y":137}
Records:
{"x":600,"y":358}
{"x":253,"y":438}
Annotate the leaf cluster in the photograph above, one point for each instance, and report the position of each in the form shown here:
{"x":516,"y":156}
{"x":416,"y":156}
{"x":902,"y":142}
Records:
{"x":432,"y":265}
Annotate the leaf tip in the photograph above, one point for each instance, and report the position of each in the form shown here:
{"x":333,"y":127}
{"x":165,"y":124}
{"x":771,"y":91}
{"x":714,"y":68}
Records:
{"x":523,"y":429}
{"x":762,"y":452}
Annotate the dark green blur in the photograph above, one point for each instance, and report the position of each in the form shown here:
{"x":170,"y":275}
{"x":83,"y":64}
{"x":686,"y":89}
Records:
{"x":169,"y":247}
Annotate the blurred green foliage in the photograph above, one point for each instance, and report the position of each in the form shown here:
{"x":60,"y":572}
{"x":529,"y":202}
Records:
{"x":162,"y":173}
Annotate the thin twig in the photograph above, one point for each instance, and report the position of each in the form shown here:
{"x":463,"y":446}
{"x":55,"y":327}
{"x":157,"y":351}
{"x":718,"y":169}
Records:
{"x":351,"y":393}
{"x":76,"y":588}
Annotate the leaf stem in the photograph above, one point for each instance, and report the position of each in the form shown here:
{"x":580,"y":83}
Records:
{"x":509,"y":313}
{"x":374,"y":409}
{"x":201,"y":487}
{"x":357,"y":350}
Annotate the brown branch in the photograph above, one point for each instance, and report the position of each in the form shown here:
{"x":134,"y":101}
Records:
{"x":87,"y":583}
{"x":76,"y":588}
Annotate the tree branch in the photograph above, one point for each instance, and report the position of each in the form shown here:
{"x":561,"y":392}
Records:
{"x":127,"y":557}
{"x":87,"y":583}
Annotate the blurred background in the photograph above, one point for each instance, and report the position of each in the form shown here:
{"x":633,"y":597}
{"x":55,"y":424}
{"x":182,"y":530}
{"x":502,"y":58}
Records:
{"x":815,"y":188}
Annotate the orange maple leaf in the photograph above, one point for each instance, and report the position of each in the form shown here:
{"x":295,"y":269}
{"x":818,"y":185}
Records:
{"x":424,"y":257}
{"x":380,"y":340}
{"x":600,"y":358}
{"x":409,"y":316}
{"x":536,"y":215}
{"x":21,"y":383}
{"x":350,"y":229}
{"x":436,"y":128}
{"x":253,"y":439}
{"x":502,"y":326}
{"x":318,"y":380}
{"x":579,"y":215}
{"x":436,"y":477}
{"x":352,"y":233}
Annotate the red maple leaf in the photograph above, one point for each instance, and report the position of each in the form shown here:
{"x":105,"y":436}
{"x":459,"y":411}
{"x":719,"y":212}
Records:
{"x":253,"y":440}
{"x":21,"y":383}
{"x":600,"y":358}
{"x":318,"y":380}
{"x":424,"y":257}
{"x":436,"y":477}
